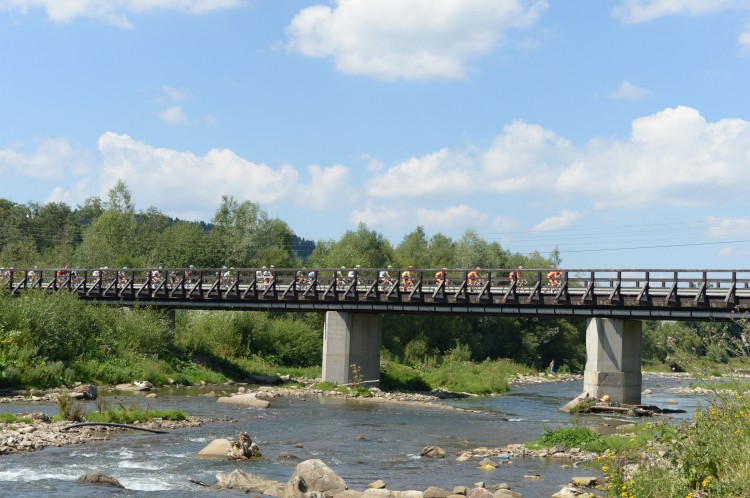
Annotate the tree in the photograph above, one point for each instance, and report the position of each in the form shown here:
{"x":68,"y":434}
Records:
{"x":363,"y":247}
{"x":181,"y":245}
{"x":412,"y":251}
{"x":473,"y":251}
{"x":245,"y":237}
{"x":120,"y":199}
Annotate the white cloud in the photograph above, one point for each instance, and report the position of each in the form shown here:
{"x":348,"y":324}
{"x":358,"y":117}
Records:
{"x":115,"y":12}
{"x":523,"y":157}
{"x":723,"y":227}
{"x":673,"y":157}
{"x":172,"y":115}
{"x":328,"y":187}
{"x":442,"y":173}
{"x":414,"y":40}
{"x":451,"y":218}
{"x":52,"y":159}
{"x":637,"y":11}
{"x":565,"y":219}
{"x":629,"y":91}
{"x":733,"y":252}
{"x":176,"y":94}
{"x":181,"y":180}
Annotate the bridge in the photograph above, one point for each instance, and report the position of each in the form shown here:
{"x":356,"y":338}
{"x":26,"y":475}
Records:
{"x":613,"y":301}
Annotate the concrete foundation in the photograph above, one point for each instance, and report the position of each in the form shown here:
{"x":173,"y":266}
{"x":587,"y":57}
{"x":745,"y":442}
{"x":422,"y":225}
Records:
{"x":613,"y":360}
{"x":352,"y":339}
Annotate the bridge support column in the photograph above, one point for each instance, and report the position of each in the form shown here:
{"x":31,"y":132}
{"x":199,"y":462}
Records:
{"x":352,"y":339}
{"x":613,"y":359}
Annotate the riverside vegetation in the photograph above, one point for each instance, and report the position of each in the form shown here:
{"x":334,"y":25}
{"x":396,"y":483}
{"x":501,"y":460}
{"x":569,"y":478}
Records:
{"x":53,"y":340}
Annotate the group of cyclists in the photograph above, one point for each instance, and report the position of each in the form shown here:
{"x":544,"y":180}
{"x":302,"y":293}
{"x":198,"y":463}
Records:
{"x":303,"y":278}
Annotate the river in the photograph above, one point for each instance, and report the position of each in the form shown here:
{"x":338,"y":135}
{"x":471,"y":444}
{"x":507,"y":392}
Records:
{"x":360,"y":440}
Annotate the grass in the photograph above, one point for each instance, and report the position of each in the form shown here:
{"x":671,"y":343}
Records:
{"x":701,"y":458}
{"x":121,"y":415}
{"x":487,"y":377}
{"x":11,"y":418}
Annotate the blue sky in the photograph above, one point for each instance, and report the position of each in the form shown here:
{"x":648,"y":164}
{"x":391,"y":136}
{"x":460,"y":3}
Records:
{"x":617,"y":130}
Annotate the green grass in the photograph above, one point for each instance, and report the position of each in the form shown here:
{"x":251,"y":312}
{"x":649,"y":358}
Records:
{"x":11,"y":418}
{"x":129,"y":416}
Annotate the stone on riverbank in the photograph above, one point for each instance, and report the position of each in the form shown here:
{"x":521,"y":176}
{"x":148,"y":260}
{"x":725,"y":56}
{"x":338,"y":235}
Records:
{"x":313,"y":475}
{"x":432,"y":452}
{"x":217,"y":448}
{"x":85,"y":391}
{"x":245,"y":481}
{"x":245,"y":400}
{"x":99,"y":479}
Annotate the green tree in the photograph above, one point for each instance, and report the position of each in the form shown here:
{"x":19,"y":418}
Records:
{"x":412,"y":251}
{"x":181,"y":245}
{"x":363,"y":247}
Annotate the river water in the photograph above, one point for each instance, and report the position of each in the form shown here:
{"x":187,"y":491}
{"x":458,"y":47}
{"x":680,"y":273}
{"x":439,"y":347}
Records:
{"x":362,"y":441}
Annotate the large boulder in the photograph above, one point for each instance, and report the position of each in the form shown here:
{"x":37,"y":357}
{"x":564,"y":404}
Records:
{"x":85,"y":391}
{"x":313,"y":478}
{"x":245,"y":481}
{"x":432,"y":452}
{"x":218,"y":448}
{"x":245,"y":400}
{"x":99,"y":479}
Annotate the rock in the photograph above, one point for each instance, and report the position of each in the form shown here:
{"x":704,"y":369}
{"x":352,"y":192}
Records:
{"x":533,"y":476}
{"x":479,"y":484}
{"x":265,"y":379}
{"x":647,"y":391}
{"x":432,"y":452}
{"x":479,"y":493}
{"x":245,"y":481}
{"x":143,"y":385}
{"x":350,"y":493}
{"x":100,"y":479}
{"x":566,"y":493}
{"x":37,"y":416}
{"x":584,"y":481}
{"x":376,"y":493}
{"x":216,"y":448}
{"x":244,"y":400}
{"x":288,"y":456}
{"x":465,"y":456}
{"x":568,"y":407}
{"x":506,"y":493}
{"x":435,"y":492}
{"x":243,"y":448}
{"x":152,"y":395}
{"x":313,"y":475}
{"x":407,"y":494}
{"x":556,"y":449}
{"x":461,"y":490}
{"x":209,"y":394}
{"x":86,"y":391}
{"x":379,"y":484}
{"x":502,"y":485}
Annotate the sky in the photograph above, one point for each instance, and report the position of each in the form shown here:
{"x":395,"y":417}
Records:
{"x":615,"y":130}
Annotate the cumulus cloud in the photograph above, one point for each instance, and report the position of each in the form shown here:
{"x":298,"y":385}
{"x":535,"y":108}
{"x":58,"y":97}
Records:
{"x":115,"y":12}
{"x":637,"y":11}
{"x":733,"y":252}
{"x":628,"y":91}
{"x":450,"y":218}
{"x":414,"y":40}
{"x":674,"y":157}
{"x":51,"y":159}
{"x":328,"y":187}
{"x":565,"y":219}
{"x":444,"y":172}
{"x":183,"y":180}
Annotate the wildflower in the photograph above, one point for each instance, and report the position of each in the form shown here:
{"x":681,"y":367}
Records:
{"x":605,"y":468}
{"x":706,"y":482}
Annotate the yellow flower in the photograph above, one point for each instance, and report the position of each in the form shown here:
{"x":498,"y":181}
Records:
{"x":706,"y":482}
{"x":605,"y":468}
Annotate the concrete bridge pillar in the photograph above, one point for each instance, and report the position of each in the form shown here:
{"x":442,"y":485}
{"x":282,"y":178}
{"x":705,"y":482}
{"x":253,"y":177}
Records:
{"x":613,"y":359}
{"x":352,"y":339}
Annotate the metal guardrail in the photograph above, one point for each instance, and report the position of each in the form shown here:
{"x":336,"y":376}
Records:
{"x":638,"y":293}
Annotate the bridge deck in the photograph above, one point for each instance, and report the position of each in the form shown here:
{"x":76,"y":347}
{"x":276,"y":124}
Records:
{"x":657,"y":294}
